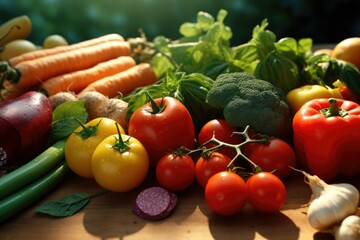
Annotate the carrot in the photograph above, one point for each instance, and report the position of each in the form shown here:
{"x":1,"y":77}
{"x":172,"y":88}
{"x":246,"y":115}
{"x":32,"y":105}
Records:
{"x":11,"y":91}
{"x":33,"y":72}
{"x":124,"y":82}
{"x":78,"y":80}
{"x":51,"y":51}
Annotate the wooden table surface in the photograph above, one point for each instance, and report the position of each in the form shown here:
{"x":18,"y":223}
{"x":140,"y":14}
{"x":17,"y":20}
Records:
{"x":110,"y":217}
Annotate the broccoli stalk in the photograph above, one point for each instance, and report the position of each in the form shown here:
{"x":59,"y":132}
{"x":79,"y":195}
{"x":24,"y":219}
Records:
{"x":246,"y":100}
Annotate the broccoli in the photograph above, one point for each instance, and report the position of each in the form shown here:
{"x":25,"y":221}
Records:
{"x":246,"y":100}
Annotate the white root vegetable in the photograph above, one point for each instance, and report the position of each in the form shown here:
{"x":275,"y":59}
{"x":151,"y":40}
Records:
{"x":95,"y":104}
{"x":117,"y":111}
{"x":330,"y":203}
{"x":349,"y":229}
{"x":61,"y":97}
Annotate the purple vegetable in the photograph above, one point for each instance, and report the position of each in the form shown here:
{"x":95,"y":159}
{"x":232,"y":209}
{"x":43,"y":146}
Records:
{"x":25,"y":127}
{"x":155,"y":203}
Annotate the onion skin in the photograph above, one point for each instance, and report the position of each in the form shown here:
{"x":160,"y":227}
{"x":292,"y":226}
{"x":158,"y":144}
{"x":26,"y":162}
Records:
{"x":95,"y":103}
{"x":61,"y":97}
{"x":116,"y":110}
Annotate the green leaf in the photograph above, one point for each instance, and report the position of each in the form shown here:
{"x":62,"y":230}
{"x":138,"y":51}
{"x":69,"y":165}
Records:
{"x":287,"y":47}
{"x":305,"y":46}
{"x":68,"y":205}
{"x":204,"y":20}
{"x":63,"y":123}
{"x":189,"y":30}
{"x":280,"y":71}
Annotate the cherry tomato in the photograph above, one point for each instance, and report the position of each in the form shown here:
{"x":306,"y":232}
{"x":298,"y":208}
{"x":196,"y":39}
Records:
{"x":79,"y":148}
{"x":276,"y":156}
{"x":206,"y":167}
{"x":226,"y":193}
{"x":120,"y":165}
{"x":223,"y":132}
{"x":175,"y":172}
{"x":266,"y":192}
{"x":162,"y":128}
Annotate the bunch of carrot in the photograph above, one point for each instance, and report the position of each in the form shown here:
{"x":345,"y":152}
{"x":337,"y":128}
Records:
{"x":103,"y":64}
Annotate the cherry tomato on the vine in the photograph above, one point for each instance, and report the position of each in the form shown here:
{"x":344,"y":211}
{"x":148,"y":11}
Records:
{"x":276,"y":156}
{"x":223,"y":132}
{"x":266,"y":192}
{"x":207,"y":166}
{"x":162,"y":125}
{"x":175,"y":172}
{"x":226,"y":193}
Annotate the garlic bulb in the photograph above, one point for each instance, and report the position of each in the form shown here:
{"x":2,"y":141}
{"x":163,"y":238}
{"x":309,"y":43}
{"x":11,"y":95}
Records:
{"x":349,"y":229}
{"x":330,"y":203}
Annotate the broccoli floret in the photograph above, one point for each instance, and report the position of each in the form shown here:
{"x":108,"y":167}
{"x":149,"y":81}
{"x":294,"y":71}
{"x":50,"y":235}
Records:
{"x":246,"y":100}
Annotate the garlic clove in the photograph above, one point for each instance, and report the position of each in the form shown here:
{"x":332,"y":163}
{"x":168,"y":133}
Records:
{"x":349,"y":229}
{"x":331,"y":203}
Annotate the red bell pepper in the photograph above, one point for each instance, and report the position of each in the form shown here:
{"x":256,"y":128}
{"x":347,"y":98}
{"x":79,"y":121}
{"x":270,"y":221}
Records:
{"x":327,"y":137}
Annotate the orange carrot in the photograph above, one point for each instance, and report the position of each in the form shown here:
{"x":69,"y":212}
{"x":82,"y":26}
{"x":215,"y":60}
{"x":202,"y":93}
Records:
{"x":51,"y":51}
{"x":33,"y":72}
{"x":78,"y":80}
{"x":124,"y":82}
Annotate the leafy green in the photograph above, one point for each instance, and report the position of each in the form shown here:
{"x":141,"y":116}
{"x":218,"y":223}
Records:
{"x":204,"y":44}
{"x":68,"y":205}
{"x":205,"y":49}
{"x":63,"y":123}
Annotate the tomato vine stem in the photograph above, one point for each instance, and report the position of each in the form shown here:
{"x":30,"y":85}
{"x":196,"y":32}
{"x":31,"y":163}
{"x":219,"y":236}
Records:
{"x":238,"y":148}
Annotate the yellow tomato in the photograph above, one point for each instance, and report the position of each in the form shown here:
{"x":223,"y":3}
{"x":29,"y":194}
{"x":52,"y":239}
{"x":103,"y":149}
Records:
{"x":121,"y":168}
{"x":79,"y":149}
{"x":299,"y":96}
{"x":54,"y":40}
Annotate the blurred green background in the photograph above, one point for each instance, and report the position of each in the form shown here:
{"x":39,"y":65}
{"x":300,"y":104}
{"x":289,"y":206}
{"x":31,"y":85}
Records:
{"x":325,"y":21}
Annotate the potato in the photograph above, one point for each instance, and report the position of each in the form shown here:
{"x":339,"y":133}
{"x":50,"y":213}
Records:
{"x":16,"y":48}
{"x":54,"y":40}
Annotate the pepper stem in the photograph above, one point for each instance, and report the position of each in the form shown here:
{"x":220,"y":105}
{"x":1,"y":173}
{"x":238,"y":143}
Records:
{"x":334,"y":109}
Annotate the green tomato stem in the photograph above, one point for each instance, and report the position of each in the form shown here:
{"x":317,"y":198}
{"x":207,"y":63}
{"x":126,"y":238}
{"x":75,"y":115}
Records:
{"x":120,"y":144}
{"x":154,"y":107}
{"x":87,"y":131}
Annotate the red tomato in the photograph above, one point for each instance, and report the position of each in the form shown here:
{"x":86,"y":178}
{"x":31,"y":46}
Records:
{"x":266,"y":192}
{"x":207,"y":167}
{"x":162,"y":131}
{"x":226,"y":193}
{"x":223,"y":132}
{"x":175,"y":172}
{"x":277,"y":156}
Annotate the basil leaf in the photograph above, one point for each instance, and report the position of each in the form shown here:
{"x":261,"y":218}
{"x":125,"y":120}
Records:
{"x":63,"y":123}
{"x":66,"y":206}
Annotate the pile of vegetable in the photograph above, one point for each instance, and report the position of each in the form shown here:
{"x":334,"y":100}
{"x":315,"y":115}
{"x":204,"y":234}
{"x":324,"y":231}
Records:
{"x":236,"y":120}
{"x":103,"y":64}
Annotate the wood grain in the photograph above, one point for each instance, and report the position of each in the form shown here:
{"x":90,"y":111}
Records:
{"x":109,"y":217}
